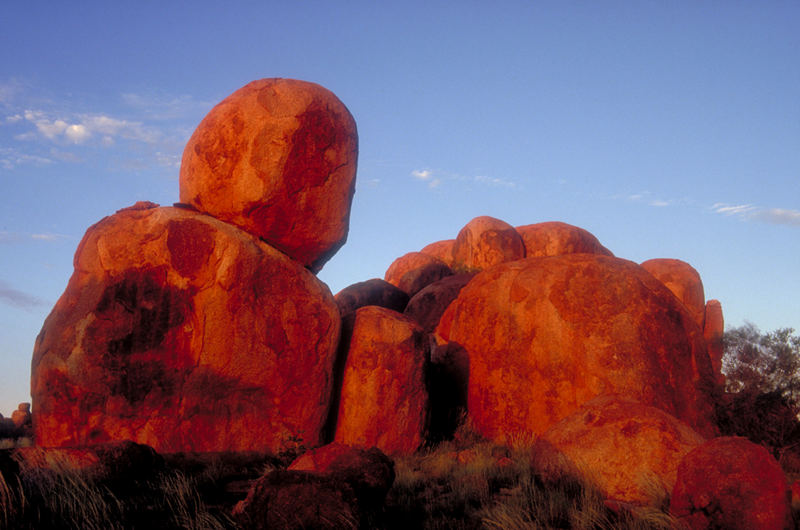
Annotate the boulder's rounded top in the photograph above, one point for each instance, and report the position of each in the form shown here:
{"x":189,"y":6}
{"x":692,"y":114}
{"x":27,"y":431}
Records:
{"x":554,"y":238}
{"x":278,"y":159}
{"x":486,"y":241}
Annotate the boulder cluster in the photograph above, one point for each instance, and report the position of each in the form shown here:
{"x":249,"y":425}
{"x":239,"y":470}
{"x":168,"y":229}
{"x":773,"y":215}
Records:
{"x":202,"y":327}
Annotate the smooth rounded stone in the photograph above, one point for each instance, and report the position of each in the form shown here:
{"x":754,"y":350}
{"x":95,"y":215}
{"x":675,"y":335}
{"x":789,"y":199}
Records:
{"x":414,"y":271}
{"x":684,"y":282}
{"x":441,"y":250}
{"x":371,"y":292}
{"x":428,"y":305}
{"x":555,"y":238}
{"x":484,"y":242}
{"x":184,"y":333}
{"x":546,"y":335}
{"x":277,"y":158}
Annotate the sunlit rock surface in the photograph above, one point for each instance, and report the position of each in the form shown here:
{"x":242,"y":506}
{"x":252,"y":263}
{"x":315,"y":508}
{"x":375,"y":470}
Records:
{"x":545,"y":335}
{"x":555,"y":238}
{"x":442,"y":250}
{"x":187,"y":334}
{"x":684,"y":282}
{"x":414,"y":271}
{"x":626,"y":448}
{"x":278,"y":159}
{"x":486,"y":241}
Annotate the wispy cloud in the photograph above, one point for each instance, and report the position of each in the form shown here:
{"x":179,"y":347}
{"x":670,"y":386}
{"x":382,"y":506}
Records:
{"x":17,"y":237}
{"x":427,"y":176}
{"x":19,"y":299}
{"x":80,"y":129}
{"x":749,"y":212}
{"x":11,"y":158}
{"x":436,"y":178}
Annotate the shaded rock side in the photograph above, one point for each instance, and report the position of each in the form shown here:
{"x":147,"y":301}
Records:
{"x":371,"y":292}
{"x":555,"y":238}
{"x":486,"y":241}
{"x":187,"y":334}
{"x":414,"y":271}
{"x":731,"y":483}
{"x":545,"y":335}
{"x":428,"y":305}
{"x":684,"y":282}
{"x":384,"y":402}
{"x":624,"y":446}
{"x":713,"y":331}
{"x":277,"y":158}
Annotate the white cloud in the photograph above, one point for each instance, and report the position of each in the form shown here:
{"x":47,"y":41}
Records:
{"x":48,"y":237}
{"x":658,"y":203}
{"x":422,"y":174}
{"x":436,"y":178}
{"x":728,"y":209}
{"x":14,"y":119}
{"x":494,"y":181}
{"x":11,"y":158}
{"x":748,"y":212}
{"x":77,"y":134}
{"x":81,"y":128}
{"x":17,"y":298}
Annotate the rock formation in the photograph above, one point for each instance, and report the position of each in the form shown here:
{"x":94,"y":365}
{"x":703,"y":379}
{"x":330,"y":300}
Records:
{"x":427,"y":306}
{"x":684,"y":282}
{"x":414,"y":271}
{"x":556,"y":239}
{"x":371,"y":292}
{"x":545,"y":335}
{"x":713,"y":330}
{"x":383,"y":400}
{"x":184,"y":333}
{"x":731,"y":483}
{"x":277,"y":158}
{"x":624,"y":446}
{"x":486,"y":241}
{"x":442,"y":250}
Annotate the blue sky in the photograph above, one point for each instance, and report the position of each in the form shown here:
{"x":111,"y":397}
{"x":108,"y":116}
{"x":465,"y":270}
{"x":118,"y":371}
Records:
{"x":667,"y":129}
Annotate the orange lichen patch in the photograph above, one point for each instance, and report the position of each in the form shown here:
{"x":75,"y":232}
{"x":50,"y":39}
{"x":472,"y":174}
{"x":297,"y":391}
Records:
{"x":187,"y":334}
{"x":555,"y":238}
{"x":384,"y":402}
{"x":732,"y":483}
{"x":442,"y":250}
{"x":278,"y":159}
{"x":684,"y":282}
{"x":414,"y":271}
{"x":545,"y":335}
{"x":624,"y":446}
{"x":486,"y":241}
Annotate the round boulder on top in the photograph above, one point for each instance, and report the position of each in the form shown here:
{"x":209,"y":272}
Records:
{"x":185,"y":333}
{"x":486,"y":241}
{"x":442,"y":250}
{"x":555,"y":238}
{"x":414,"y":271}
{"x":684,"y":282}
{"x":546,"y":335}
{"x":277,"y":158}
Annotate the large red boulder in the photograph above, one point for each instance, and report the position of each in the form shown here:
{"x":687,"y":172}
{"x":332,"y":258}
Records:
{"x":187,"y":334}
{"x":545,"y":335}
{"x":555,"y":238}
{"x":278,"y":159}
{"x":713,"y":331}
{"x":414,"y":271}
{"x":486,"y":241}
{"x":684,"y":282}
{"x":624,"y":446}
{"x":442,"y":250}
{"x":384,"y":401}
{"x":371,"y":292}
{"x":427,"y":306}
{"x":731,"y":483}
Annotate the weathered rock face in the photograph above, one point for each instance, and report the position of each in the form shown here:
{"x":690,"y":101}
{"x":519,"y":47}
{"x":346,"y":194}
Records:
{"x":442,"y":250}
{"x":22,"y":416}
{"x":545,"y":335}
{"x":732,"y":483}
{"x":623,"y":444}
{"x":371,"y":292}
{"x":556,"y":239}
{"x":428,"y":305}
{"x":290,"y":500}
{"x":414,"y":271}
{"x":278,"y":159}
{"x":684,"y":282}
{"x":384,"y":402}
{"x":713,"y":331}
{"x":486,"y":241}
{"x":184,"y":333}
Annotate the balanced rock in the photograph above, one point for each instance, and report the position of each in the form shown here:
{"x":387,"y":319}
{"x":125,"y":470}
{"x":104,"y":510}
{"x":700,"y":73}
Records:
{"x":371,"y":292}
{"x":442,"y":250}
{"x":486,"y":241}
{"x":22,"y":416}
{"x":278,"y":159}
{"x":185,"y":333}
{"x":555,"y":238}
{"x":684,"y":282}
{"x":624,"y":446}
{"x":427,"y":306}
{"x":414,"y":271}
{"x":383,"y":401}
{"x":545,"y":335}
{"x":730,"y":483}
{"x":713,"y":331}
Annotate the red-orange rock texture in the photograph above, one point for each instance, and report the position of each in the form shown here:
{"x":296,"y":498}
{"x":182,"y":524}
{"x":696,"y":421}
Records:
{"x":278,"y":159}
{"x":371,"y":292}
{"x":713,"y":330}
{"x":556,"y":239}
{"x":545,"y":335}
{"x":384,"y":402}
{"x":623,"y":445}
{"x":414,"y":271}
{"x":442,"y":250}
{"x":427,"y":306}
{"x":187,"y":334}
{"x":486,"y":241}
{"x":731,"y":483}
{"x":684,"y":282}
